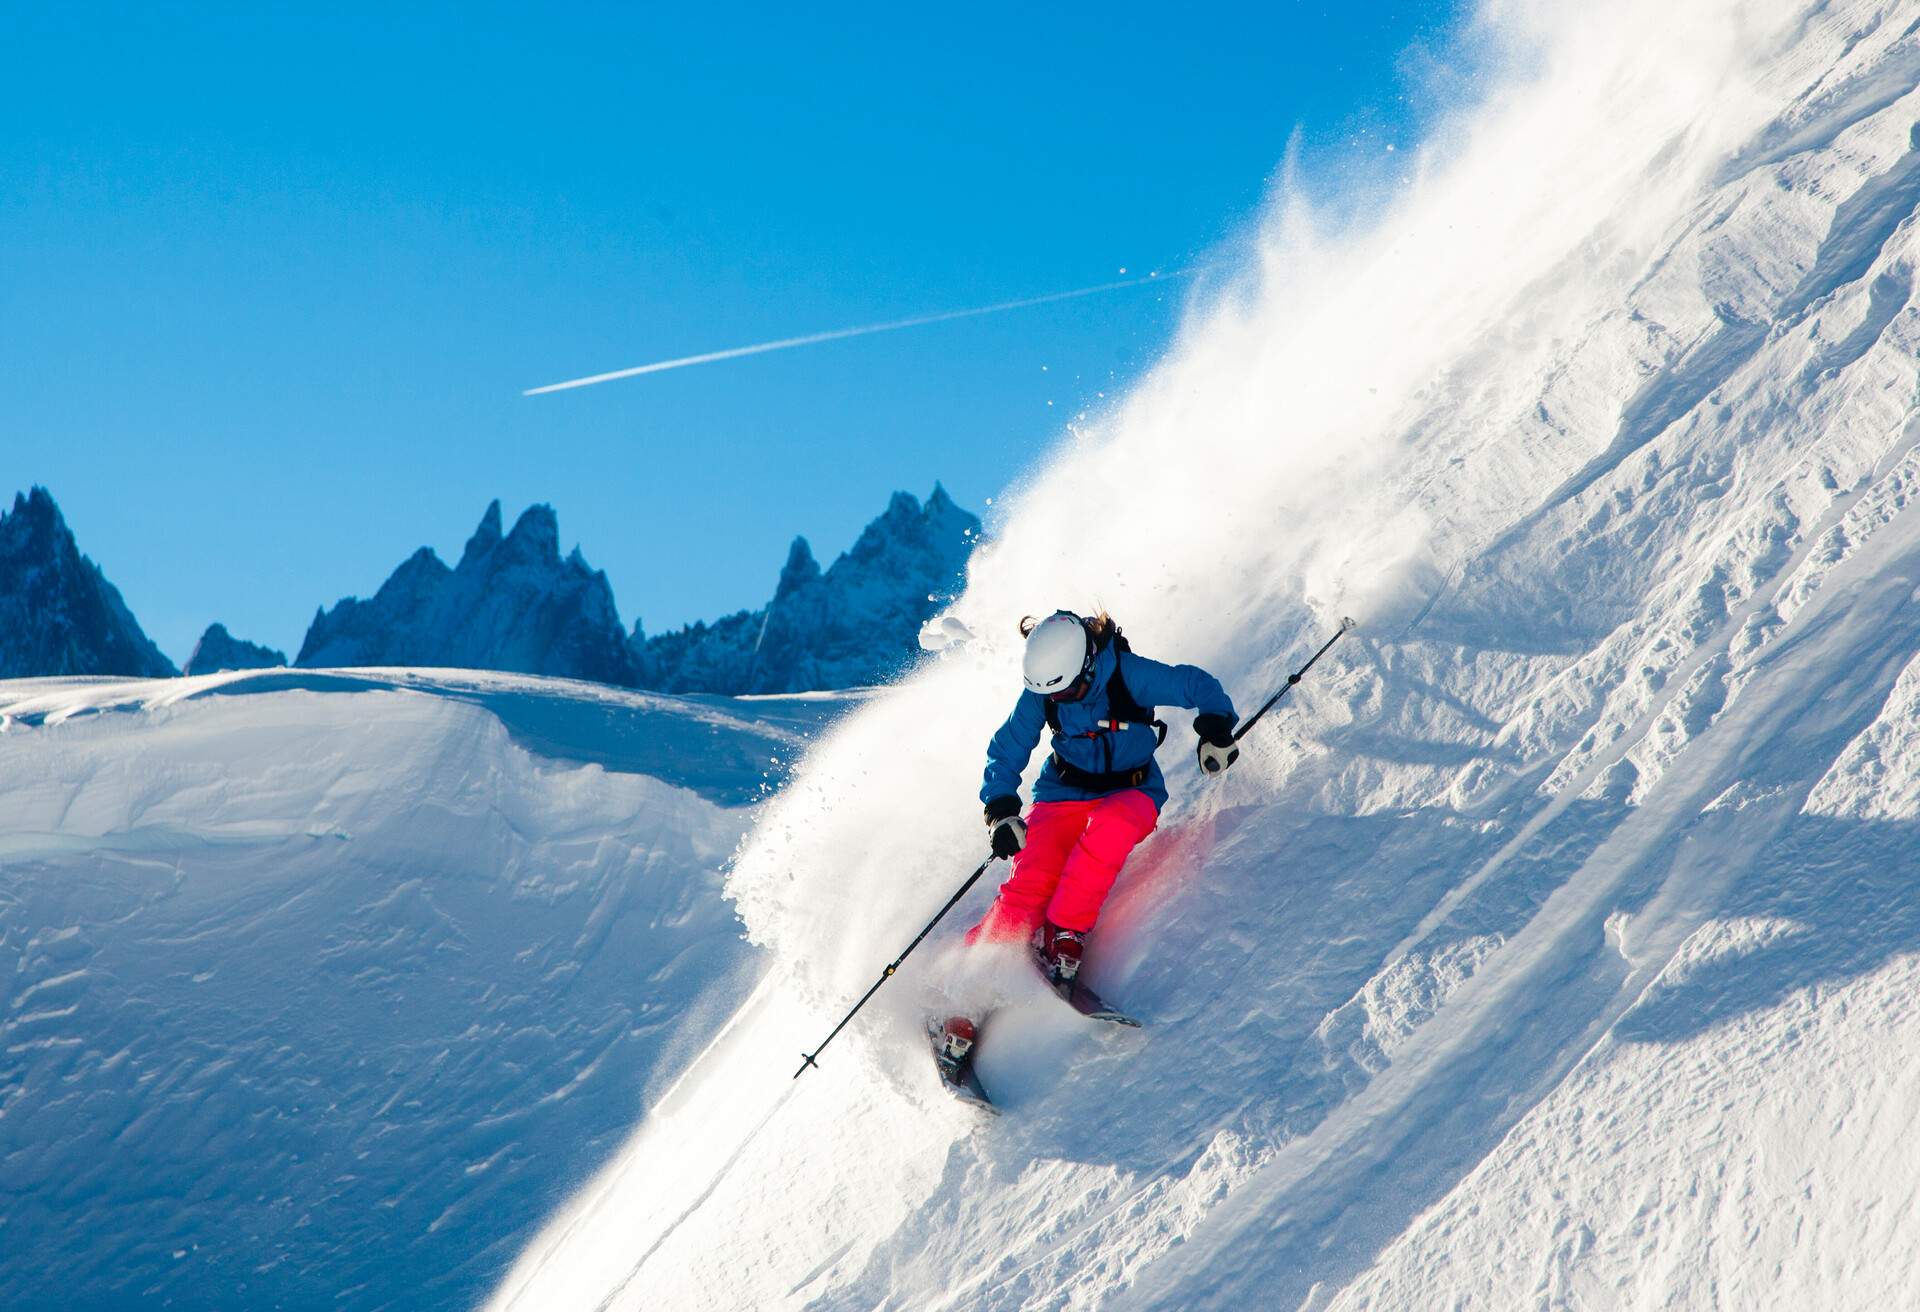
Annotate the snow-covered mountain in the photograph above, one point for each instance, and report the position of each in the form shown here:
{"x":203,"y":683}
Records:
{"x":319,"y":988}
{"x":1558,"y":945}
{"x":512,"y":603}
{"x":58,"y":613}
{"x":853,"y":624}
{"x":219,"y":650}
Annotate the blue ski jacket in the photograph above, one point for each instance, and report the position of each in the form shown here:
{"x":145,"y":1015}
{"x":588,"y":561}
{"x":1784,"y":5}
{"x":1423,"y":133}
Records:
{"x":1087,"y":740}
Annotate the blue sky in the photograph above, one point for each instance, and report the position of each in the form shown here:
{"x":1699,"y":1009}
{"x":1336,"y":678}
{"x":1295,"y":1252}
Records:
{"x":276,"y":281}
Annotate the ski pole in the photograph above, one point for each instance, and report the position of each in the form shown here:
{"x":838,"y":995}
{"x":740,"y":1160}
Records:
{"x":806,"y":1059}
{"x":1292,"y":679}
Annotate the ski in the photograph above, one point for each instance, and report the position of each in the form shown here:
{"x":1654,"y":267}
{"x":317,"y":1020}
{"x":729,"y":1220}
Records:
{"x":1091,"y":1005}
{"x":956,"y":1073}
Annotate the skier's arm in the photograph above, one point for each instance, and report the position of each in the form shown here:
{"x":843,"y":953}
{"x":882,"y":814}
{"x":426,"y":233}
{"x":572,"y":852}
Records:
{"x":1155,"y":684}
{"x":1012,"y":746}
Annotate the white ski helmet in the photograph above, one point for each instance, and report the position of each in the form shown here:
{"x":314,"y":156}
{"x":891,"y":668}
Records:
{"x":1059,"y":654}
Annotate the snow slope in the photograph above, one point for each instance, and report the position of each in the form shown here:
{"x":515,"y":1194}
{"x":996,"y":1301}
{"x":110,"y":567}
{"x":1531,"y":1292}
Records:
{"x":320,"y":988}
{"x":1557,"y":948}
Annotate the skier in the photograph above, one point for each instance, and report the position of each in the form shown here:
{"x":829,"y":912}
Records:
{"x":1097,"y":797}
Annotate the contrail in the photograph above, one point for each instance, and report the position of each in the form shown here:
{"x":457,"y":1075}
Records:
{"x":834,"y":335}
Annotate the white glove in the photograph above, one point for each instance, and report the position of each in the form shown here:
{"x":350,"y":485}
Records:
{"x":1217,"y":749}
{"x":1009,"y":836}
{"x":1007,"y":829}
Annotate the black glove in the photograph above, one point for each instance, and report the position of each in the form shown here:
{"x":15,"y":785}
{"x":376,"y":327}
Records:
{"x":1217,"y":749}
{"x":1009,"y":830}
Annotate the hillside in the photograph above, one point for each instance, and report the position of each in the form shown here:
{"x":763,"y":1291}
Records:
{"x":320,"y":988}
{"x":1558,"y":946}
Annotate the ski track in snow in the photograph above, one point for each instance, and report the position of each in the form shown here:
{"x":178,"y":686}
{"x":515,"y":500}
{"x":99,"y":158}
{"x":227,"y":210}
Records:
{"x":1608,"y":433}
{"x":719,"y":1177}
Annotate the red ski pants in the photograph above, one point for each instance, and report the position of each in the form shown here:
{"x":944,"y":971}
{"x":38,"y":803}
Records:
{"x":1073,"y":854}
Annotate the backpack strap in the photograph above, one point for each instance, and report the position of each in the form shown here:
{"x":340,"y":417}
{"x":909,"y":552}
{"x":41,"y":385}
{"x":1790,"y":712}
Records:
{"x":1121,"y":702}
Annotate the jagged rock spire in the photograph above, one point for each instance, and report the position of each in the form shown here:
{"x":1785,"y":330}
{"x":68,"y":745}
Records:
{"x":486,"y":537}
{"x":58,"y":613}
{"x":512,"y":603}
{"x":854,"y":623}
{"x":219,"y":650}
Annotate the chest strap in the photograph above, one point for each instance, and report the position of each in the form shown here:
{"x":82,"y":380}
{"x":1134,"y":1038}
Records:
{"x":1093,"y":781}
{"x":1123,"y":711}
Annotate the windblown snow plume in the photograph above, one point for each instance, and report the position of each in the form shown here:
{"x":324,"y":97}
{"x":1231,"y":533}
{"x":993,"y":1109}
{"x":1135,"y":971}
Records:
{"x":1601,"y":423}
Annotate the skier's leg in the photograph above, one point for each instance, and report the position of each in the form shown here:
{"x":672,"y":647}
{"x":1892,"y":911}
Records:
{"x":1118,"y":823}
{"x":1052,"y":830}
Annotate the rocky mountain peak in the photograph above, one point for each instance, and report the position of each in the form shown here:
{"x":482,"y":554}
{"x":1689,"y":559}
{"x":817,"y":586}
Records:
{"x":486,"y":537}
{"x":511,"y":604}
{"x":219,"y":650}
{"x":35,"y":507}
{"x":800,"y":570}
{"x":536,"y":534}
{"x":851,"y":624}
{"x":58,"y":613}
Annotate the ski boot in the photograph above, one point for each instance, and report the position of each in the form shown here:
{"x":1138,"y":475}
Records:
{"x":954,"y":1046}
{"x":953,"y":1055}
{"x":1060,"y":951}
{"x":1057,"y":953}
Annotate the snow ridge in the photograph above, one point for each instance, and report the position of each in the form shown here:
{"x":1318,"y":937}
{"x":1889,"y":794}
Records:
{"x":326,"y":985}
